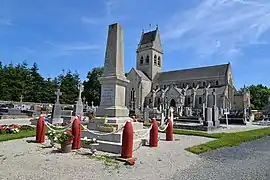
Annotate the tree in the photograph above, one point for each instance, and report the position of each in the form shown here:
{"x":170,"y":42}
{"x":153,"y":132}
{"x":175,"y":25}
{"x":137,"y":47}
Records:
{"x":69,"y":87}
{"x":92,"y":87}
{"x":259,"y":95}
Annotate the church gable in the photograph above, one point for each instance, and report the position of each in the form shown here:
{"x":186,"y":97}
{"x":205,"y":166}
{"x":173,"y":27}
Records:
{"x":172,"y":93}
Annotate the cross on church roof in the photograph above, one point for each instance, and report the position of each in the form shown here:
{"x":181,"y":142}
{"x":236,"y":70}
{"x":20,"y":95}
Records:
{"x":58,"y":94}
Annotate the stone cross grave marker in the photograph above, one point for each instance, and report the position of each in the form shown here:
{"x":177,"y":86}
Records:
{"x":56,"y":117}
{"x":58,"y":94}
{"x":21,"y":98}
{"x":92,"y":104}
{"x":81,"y":88}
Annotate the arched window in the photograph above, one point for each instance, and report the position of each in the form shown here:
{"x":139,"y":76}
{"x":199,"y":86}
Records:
{"x":204,"y":84}
{"x":200,"y":100}
{"x":193,"y":84}
{"x":159,"y":61}
{"x":188,"y":100}
{"x":147,"y":59}
{"x":155,"y":59}
{"x":141,"y":61}
{"x":217,"y":83}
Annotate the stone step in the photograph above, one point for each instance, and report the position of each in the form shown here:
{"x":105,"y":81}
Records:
{"x":111,"y":147}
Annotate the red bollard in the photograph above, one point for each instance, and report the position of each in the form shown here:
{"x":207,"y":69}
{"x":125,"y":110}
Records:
{"x":134,"y":119}
{"x":127,"y":141}
{"x":153,"y":139}
{"x":76,"y":132}
{"x":40,"y":130}
{"x":169,"y":131}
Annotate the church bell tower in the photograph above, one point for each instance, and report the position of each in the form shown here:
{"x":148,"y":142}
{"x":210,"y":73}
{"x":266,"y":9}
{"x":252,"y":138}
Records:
{"x":150,"y":54}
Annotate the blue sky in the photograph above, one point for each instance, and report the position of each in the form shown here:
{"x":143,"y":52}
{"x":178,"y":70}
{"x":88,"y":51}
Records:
{"x":72,"y":34}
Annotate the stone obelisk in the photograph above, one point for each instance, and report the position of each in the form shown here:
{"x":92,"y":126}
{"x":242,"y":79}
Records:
{"x":113,"y":81}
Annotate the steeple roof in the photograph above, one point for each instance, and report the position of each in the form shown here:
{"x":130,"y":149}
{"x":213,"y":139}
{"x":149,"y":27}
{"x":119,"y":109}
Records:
{"x":149,"y":37}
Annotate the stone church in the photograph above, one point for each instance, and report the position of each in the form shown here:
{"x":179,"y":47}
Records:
{"x":150,"y":87}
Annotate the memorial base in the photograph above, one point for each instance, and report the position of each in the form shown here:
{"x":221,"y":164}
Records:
{"x":57,"y":120}
{"x":78,"y":109}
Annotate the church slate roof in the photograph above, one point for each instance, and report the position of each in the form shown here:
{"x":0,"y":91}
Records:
{"x":193,"y":73}
{"x":142,"y":75}
{"x":148,"y":37}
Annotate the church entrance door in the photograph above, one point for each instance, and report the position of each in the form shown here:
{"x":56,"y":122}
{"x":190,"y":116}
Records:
{"x":172,"y":103}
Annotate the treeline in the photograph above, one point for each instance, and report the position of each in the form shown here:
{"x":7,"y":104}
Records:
{"x":17,"y":80}
{"x":20,"y":80}
{"x":259,"y":95}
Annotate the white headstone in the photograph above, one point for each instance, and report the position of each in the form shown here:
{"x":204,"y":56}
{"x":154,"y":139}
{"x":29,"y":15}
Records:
{"x":171,"y":114}
{"x":162,"y":119}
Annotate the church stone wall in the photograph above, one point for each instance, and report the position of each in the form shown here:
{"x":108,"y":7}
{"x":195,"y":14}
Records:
{"x":146,"y":87}
{"x":145,"y":67}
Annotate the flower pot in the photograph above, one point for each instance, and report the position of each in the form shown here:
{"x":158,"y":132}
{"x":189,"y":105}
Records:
{"x":66,"y":147}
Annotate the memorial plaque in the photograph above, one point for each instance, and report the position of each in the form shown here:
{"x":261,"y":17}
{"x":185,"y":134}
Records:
{"x":107,"y":96}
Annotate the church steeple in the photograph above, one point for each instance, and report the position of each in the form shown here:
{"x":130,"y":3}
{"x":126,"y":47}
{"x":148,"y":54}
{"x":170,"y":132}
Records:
{"x":149,"y":53}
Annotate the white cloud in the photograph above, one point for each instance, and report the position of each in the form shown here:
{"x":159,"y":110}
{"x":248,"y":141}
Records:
{"x":110,"y":6}
{"x":5,"y":21}
{"x":69,"y":49}
{"x":88,"y":20}
{"x":220,"y":26}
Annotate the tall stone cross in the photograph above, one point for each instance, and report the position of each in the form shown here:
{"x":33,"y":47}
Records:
{"x":194,"y":91}
{"x":81,"y":88}
{"x":58,"y":94}
{"x":206,"y":95}
{"x":21,"y":98}
{"x":214,"y":98}
{"x":154,"y":96}
{"x":92,"y":104}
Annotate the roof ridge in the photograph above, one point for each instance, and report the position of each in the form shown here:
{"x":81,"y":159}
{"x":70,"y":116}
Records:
{"x":202,"y":67}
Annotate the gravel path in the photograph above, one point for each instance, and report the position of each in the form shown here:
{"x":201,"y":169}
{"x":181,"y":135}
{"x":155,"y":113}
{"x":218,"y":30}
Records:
{"x":249,"y":161}
{"x":24,"y":161}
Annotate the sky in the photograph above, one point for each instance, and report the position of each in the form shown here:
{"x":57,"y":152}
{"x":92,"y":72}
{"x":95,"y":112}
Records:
{"x":72,"y":34}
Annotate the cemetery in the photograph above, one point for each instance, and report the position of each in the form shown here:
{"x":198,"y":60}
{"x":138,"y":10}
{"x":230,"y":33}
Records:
{"x":148,"y":139}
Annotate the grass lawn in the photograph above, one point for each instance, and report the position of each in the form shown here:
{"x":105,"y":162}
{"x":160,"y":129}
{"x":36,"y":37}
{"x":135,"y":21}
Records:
{"x":223,"y":139}
{"x":19,"y":135}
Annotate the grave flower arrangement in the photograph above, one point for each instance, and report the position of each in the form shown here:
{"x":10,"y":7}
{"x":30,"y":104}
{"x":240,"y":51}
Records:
{"x":90,"y":141}
{"x":52,"y":135}
{"x":65,"y":137}
{"x":9,"y":129}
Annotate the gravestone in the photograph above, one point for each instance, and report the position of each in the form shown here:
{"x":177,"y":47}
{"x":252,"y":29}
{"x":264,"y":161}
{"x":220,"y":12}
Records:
{"x":171,"y":114}
{"x":78,"y":107}
{"x":215,"y":110}
{"x":203,"y":111}
{"x":208,"y":118}
{"x":56,"y":116}
{"x":162,"y":121}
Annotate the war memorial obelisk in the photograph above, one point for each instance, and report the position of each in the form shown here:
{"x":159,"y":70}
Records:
{"x":113,"y":81}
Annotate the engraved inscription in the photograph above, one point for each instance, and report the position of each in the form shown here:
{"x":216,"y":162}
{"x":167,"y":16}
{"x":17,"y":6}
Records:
{"x":107,"y":96}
